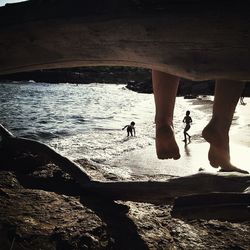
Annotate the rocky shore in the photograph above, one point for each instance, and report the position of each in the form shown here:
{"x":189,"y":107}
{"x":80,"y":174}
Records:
{"x":136,"y":79}
{"x":84,"y":75}
{"x":41,"y":205}
{"x":42,"y":208}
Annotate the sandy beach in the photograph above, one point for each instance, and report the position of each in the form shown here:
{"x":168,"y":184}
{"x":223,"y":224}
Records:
{"x":193,"y":155}
{"x":193,"y":159}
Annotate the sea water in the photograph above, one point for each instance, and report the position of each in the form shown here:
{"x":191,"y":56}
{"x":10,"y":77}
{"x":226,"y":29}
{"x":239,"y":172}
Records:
{"x":85,"y":121}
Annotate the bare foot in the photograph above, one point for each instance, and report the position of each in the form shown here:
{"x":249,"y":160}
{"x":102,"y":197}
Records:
{"x":166,"y":146}
{"x":218,"y":154}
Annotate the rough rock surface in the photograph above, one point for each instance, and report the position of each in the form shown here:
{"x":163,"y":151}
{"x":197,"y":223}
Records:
{"x":42,"y":208}
{"x":197,"y":40}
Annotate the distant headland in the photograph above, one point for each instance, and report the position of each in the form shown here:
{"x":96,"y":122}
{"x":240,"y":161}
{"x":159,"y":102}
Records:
{"x":136,"y":79}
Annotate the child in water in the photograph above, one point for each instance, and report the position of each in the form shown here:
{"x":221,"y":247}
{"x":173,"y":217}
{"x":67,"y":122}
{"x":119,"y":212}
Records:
{"x":130,"y":128}
{"x":187,"y":119}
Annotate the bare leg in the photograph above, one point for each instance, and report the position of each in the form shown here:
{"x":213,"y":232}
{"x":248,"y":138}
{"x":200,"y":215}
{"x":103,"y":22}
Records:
{"x":165,"y":89}
{"x":227,"y":94}
{"x":189,"y":136}
{"x":185,"y":136}
{"x":186,"y":133}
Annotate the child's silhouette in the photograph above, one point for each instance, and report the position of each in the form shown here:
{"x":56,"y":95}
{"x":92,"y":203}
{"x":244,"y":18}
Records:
{"x":188,"y":120}
{"x":130,"y":128}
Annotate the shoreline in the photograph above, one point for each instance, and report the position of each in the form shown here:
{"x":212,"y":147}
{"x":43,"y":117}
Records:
{"x":194,"y":156}
{"x":44,"y":207}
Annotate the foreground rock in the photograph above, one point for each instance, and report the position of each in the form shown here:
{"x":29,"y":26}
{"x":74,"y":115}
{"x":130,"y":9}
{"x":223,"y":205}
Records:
{"x":41,"y":208}
{"x":37,"y":219}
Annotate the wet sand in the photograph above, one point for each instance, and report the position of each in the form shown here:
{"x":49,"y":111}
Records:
{"x":193,"y":159}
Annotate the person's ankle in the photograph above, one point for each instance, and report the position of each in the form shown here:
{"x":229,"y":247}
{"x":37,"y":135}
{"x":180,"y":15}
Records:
{"x":164,"y":123}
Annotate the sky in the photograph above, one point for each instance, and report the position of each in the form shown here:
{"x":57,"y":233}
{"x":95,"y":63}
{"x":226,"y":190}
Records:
{"x":3,"y":2}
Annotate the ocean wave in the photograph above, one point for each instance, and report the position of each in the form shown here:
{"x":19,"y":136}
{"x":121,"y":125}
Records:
{"x":45,"y":135}
{"x":62,"y":133}
{"x":102,"y":117}
{"x":107,"y":129}
{"x":43,"y":121}
{"x":77,"y":117}
{"x":90,"y":124}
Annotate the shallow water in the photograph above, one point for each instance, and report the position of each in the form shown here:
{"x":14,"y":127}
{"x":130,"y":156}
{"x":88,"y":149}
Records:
{"x":85,"y":121}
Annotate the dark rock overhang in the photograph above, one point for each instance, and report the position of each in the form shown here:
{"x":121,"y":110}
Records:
{"x":194,"y":39}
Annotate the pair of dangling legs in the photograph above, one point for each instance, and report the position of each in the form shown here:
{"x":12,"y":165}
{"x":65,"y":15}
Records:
{"x":216,"y":133}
